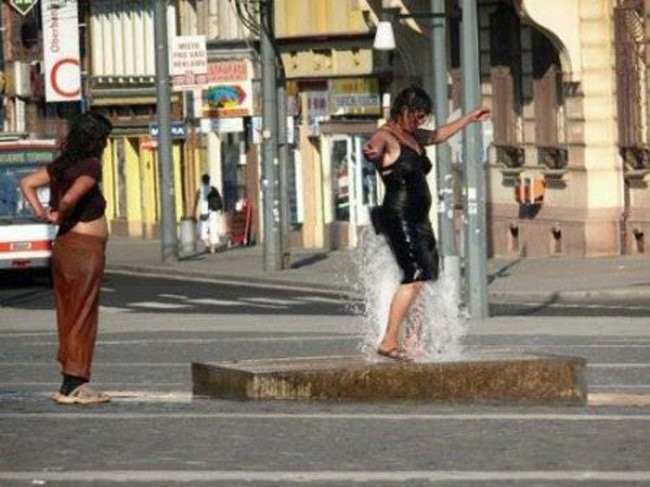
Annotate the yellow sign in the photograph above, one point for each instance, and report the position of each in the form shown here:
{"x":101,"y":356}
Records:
{"x":355,"y":96}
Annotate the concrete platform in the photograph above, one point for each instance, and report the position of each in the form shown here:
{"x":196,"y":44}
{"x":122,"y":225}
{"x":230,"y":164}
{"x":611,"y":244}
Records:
{"x":494,"y":376}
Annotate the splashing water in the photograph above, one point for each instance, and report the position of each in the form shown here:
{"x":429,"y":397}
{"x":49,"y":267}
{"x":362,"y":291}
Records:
{"x":433,"y":330}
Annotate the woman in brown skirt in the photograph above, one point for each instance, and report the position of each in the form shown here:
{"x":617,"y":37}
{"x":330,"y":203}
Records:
{"x":77,"y":206}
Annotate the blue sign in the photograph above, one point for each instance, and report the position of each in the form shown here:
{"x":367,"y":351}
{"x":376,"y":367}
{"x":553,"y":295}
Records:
{"x":177,"y":130}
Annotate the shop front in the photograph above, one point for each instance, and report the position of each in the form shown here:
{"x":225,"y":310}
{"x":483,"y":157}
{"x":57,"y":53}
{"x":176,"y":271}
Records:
{"x":351,"y":181}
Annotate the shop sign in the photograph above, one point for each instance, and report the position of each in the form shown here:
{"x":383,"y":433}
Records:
{"x":226,"y":125}
{"x":176,"y":130}
{"x":23,"y":6}
{"x":61,"y":62}
{"x":230,"y":91}
{"x":355,"y":96}
{"x":189,"y":63}
{"x":318,"y":103}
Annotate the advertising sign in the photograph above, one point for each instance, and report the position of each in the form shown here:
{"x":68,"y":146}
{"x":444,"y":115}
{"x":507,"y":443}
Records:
{"x":189,"y":63}
{"x":355,"y":96}
{"x":61,"y":50}
{"x":230,"y":91}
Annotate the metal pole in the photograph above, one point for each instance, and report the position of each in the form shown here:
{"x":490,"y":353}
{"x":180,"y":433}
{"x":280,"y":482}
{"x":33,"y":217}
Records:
{"x":475,"y":233}
{"x":2,"y":71}
{"x":283,"y":153}
{"x":168,"y":214}
{"x":272,"y":241}
{"x":443,"y":155}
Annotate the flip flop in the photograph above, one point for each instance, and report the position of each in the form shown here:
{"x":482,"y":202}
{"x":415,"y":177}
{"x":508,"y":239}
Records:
{"x":81,"y":395}
{"x":394,"y":353}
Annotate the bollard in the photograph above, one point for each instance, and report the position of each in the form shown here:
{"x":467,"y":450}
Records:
{"x":187,"y":236}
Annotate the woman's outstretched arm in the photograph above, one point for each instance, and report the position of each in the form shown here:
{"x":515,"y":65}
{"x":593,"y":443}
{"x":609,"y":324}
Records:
{"x":442,"y":133}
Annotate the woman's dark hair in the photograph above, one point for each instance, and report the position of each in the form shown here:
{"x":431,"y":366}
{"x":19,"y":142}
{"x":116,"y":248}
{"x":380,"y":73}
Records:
{"x":411,"y":99}
{"x":86,"y":138}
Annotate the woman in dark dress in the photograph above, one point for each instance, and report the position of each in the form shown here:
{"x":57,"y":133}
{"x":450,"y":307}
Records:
{"x":397,"y":151}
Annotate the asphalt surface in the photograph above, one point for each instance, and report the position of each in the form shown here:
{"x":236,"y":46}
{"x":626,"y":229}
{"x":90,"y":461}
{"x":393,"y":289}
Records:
{"x":155,"y":433}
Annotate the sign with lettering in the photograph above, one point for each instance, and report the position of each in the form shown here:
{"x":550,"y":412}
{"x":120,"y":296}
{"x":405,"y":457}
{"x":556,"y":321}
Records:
{"x":61,"y":60}
{"x":189,"y":55}
{"x":355,"y":96}
{"x":230,"y":90}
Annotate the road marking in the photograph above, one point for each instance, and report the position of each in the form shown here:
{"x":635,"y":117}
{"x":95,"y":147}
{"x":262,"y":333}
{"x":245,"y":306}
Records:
{"x":215,"y":302}
{"x":282,"y":477}
{"x":158,"y":305}
{"x":618,"y":365}
{"x":78,"y":414}
{"x":542,"y":304}
{"x":300,"y":287}
{"x":621,"y":399}
{"x":318,"y":299}
{"x":113,"y":309}
{"x":144,"y":341}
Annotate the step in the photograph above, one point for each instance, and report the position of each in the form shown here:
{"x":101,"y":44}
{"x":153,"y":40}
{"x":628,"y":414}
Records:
{"x":479,"y":376}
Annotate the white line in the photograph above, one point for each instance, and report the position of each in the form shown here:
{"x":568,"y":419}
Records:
{"x":301,"y":287}
{"x":144,"y":341}
{"x":77,"y":414}
{"x":155,"y":305}
{"x":327,"y":476}
{"x":619,"y":386}
{"x":618,"y":365}
{"x":281,"y":302}
{"x":100,"y":364}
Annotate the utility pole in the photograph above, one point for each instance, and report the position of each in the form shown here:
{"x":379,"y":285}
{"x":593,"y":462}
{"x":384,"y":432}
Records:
{"x":272,"y":237}
{"x":168,"y":213}
{"x":475,"y":230}
{"x":283,"y":156}
{"x":451,"y":261}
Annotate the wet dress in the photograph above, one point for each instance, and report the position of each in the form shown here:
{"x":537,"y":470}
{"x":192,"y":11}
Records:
{"x":403,"y":216}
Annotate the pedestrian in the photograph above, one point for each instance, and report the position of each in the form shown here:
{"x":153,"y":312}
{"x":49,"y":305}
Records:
{"x":77,"y":206}
{"x":208,"y":206}
{"x":397,"y":151}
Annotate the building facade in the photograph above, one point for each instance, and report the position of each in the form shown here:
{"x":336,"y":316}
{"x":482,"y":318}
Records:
{"x":567,"y":166}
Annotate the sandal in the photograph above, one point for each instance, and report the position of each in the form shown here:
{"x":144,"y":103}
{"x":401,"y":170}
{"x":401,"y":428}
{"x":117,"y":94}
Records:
{"x":81,"y":395}
{"x":394,"y":353}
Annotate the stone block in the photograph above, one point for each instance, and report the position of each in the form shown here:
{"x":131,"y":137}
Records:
{"x":490,"y":376}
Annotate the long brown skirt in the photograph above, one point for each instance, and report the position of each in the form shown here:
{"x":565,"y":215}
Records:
{"x":77,"y":268}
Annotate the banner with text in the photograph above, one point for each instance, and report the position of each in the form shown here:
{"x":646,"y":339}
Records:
{"x":61,"y":61}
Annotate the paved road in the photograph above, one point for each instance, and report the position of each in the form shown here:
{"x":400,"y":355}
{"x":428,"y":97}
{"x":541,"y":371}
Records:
{"x":153,"y":433}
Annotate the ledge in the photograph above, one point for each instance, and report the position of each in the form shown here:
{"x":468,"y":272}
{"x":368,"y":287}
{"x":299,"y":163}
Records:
{"x":494,"y":376}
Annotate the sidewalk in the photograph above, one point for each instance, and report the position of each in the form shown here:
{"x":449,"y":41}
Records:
{"x":530,"y":278}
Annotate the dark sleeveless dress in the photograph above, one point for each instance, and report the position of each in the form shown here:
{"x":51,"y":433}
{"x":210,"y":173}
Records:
{"x":403,"y":216}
